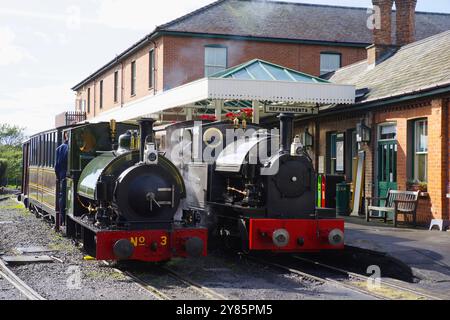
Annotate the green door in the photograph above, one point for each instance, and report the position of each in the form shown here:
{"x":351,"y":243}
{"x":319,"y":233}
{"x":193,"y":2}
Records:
{"x":387,"y":167}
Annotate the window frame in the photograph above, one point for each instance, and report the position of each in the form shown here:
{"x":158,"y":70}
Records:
{"x":151,"y":69}
{"x":387,"y":124}
{"x":89,"y":100}
{"x":100,"y":102}
{"x":329,"y":53}
{"x":133,"y":78}
{"x":333,"y":137}
{"x":416,"y":153}
{"x":116,"y":86}
{"x":206,"y":66}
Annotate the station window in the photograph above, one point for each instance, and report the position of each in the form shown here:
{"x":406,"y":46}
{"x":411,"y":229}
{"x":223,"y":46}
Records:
{"x":116,"y":86}
{"x":89,"y":100}
{"x":215,"y":60}
{"x":420,"y":150}
{"x":335,"y":153}
{"x":329,"y":62}
{"x":151,"y":69}
{"x":133,"y":78}
{"x":101,"y":95}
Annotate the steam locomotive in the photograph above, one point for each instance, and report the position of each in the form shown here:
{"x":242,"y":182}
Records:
{"x":263,"y":205}
{"x":122,"y":194}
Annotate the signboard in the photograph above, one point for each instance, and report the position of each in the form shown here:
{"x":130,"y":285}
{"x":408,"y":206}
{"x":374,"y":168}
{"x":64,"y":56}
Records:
{"x":291,"y":109}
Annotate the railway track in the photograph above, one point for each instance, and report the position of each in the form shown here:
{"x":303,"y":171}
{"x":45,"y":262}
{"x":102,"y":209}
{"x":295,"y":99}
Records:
{"x":4,"y":198}
{"x":21,"y":286}
{"x":323,"y":273}
{"x":159,"y":295}
{"x":385,"y":289}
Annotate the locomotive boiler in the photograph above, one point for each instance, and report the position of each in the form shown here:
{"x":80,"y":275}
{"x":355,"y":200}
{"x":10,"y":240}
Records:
{"x":259,"y":189}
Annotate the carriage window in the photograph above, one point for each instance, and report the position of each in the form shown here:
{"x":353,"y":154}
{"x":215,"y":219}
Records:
{"x":31,"y":152}
{"x":54,"y":149}
{"x":36,"y":152}
{"x":44,"y":147}
{"x":47,"y":153}
{"x":33,"y":142}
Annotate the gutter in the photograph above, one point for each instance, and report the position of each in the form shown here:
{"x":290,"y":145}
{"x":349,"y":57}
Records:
{"x":383,"y":102}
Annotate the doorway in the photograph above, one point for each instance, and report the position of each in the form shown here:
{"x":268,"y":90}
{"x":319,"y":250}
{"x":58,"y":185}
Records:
{"x":387,"y":159}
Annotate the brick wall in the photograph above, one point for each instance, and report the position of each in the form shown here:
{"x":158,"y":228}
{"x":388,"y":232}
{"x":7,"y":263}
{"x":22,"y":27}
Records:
{"x":447,"y":147}
{"x":184,"y":57}
{"x":340,"y":123}
{"x":179,"y":60}
{"x":436,"y":205}
{"x":436,"y":111}
{"x":124,"y":77}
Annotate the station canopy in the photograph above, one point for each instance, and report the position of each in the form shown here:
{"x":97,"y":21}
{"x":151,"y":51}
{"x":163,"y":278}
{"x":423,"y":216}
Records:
{"x":254,"y":84}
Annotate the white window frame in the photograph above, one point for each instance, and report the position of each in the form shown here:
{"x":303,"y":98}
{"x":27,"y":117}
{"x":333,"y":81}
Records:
{"x":133,"y":78}
{"x":417,"y":152}
{"x":387,"y":124}
{"x":220,"y":66}
{"x":324,"y":70}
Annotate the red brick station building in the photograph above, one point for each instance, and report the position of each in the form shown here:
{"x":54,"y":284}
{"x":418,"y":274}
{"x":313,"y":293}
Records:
{"x":401,"y":71}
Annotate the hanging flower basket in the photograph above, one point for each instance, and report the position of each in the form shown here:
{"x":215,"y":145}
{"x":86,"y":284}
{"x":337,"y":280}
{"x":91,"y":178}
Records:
{"x":208,"y":117}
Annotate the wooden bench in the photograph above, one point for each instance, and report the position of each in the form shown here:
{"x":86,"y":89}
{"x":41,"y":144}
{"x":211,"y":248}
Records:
{"x":397,"y":202}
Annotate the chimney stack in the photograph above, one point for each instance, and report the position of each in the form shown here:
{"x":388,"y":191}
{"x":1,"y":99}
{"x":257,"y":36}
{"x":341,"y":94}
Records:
{"x":382,"y":37}
{"x":406,"y":21}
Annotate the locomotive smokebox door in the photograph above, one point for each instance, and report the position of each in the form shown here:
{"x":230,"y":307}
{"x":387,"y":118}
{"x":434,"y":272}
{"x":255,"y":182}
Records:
{"x":149,"y":193}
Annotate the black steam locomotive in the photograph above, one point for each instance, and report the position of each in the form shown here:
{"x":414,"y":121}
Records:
{"x":121,"y":199}
{"x":249,"y":191}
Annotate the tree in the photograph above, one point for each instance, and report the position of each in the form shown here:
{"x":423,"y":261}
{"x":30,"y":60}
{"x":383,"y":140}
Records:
{"x":3,"y":167}
{"x":11,"y":135}
{"x":11,"y":138}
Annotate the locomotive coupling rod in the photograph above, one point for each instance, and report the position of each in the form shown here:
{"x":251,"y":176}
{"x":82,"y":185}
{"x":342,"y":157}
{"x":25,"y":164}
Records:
{"x":237,"y":190}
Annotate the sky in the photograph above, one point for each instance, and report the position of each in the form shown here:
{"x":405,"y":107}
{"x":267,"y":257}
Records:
{"x":48,"y":46}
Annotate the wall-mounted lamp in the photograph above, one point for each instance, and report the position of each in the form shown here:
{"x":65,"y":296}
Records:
{"x":308,"y":139}
{"x":363,"y":132}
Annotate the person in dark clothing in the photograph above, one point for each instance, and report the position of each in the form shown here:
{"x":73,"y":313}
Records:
{"x":61,"y":173}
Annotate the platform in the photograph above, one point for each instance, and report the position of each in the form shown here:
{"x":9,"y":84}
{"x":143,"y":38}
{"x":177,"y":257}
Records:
{"x":427,"y":253}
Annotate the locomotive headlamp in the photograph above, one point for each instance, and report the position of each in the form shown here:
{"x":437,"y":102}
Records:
{"x":296,"y":147}
{"x":150,"y":154}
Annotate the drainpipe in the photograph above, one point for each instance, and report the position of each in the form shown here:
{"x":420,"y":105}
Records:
{"x":373,"y":144}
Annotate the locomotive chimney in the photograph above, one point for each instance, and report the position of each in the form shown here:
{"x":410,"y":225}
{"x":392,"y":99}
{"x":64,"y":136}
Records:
{"x":146,"y":130}
{"x":286,"y":129}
